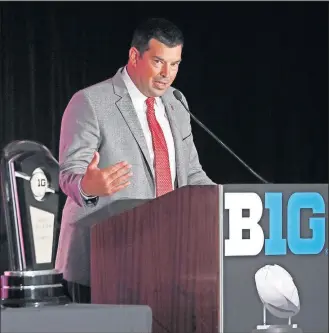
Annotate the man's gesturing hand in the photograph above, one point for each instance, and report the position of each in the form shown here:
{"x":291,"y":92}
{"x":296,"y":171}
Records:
{"x":107,"y":181}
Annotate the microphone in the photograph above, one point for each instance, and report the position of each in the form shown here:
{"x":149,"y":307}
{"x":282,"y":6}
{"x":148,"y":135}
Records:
{"x":178,"y":96}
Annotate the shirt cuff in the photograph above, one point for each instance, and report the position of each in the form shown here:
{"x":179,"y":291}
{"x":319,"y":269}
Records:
{"x":89,"y":199}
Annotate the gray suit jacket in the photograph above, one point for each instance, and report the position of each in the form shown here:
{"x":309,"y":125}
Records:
{"x":102,"y":118}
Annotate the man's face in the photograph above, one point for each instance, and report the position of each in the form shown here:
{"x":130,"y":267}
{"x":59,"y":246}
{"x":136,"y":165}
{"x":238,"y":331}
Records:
{"x":156,"y":70}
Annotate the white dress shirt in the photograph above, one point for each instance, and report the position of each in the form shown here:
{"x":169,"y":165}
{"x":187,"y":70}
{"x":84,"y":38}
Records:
{"x":140,"y":106}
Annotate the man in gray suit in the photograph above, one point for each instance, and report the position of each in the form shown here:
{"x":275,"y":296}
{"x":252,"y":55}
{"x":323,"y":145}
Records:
{"x":123,"y":139}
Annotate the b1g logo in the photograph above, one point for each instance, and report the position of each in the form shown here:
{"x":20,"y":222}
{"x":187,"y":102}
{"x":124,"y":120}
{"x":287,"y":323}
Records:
{"x":235,"y":203}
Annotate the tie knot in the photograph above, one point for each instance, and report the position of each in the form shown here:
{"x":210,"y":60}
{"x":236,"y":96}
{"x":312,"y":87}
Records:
{"x":150,"y":102}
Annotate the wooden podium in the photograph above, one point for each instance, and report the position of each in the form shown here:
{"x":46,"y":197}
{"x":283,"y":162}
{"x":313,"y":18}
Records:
{"x":166,"y":254}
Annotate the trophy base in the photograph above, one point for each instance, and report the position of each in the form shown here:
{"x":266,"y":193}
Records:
{"x":32,"y":289}
{"x":23,"y":303}
{"x":277,"y":329}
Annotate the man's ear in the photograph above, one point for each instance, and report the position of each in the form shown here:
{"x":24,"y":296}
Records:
{"x":133,"y":55}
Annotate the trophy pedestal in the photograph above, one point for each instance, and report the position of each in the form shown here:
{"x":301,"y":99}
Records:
{"x":32,"y":289}
{"x":277,"y":329}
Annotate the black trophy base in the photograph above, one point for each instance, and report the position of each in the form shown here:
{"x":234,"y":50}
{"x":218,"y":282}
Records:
{"x":278,"y":329}
{"x":32,"y":289}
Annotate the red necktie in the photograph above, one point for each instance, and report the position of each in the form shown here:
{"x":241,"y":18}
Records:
{"x":161,"y":158}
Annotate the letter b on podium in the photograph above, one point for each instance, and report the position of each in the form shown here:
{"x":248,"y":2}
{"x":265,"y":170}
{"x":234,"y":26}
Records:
{"x":30,"y":196}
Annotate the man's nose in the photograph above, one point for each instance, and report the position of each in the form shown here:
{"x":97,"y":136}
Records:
{"x":165,"y":72}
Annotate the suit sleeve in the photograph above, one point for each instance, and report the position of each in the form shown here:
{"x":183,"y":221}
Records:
{"x":196,"y":174}
{"x":79,"y":139}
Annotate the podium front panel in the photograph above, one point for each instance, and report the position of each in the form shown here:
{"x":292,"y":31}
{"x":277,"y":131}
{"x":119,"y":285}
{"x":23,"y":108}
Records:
{"x":273,"y":233}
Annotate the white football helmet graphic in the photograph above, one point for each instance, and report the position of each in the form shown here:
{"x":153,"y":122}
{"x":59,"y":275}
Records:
{"x":277,"y":291}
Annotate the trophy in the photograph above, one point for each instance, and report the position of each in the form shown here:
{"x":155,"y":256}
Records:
{"x":30,"y":197}
{"x":279,"y":296}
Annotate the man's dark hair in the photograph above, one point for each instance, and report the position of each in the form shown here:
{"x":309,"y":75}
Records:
{"x":156,"y":28}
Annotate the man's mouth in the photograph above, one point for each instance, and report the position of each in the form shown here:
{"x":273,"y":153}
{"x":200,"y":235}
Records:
{"x":160,"y":84}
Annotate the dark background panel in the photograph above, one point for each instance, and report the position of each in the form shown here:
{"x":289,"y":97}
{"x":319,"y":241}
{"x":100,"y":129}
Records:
{"x":256,"y":73}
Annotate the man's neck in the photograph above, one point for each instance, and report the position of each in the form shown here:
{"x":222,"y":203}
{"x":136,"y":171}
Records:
{"x":131,"y":74}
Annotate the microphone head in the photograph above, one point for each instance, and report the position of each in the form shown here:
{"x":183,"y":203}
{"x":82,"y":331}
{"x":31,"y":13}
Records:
{"x":177,"y":95}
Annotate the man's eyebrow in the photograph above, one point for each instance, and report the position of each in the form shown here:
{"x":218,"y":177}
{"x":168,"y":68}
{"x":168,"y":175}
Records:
{"x":161,"y":59}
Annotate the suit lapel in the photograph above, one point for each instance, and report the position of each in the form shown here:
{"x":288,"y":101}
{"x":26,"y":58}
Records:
{"x":177,"y":137}
{"x":126,"y":108}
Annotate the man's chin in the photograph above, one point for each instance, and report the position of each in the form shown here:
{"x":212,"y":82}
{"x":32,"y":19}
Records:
{"x":157,"y":92}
